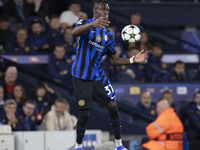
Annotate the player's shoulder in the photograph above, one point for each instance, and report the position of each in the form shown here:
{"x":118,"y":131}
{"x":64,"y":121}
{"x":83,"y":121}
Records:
{"x":109,"y":33}
{"x":83,"y":21}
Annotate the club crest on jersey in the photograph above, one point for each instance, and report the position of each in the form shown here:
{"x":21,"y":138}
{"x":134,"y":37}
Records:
{"x":106,"y":37}
{"x":81,"y":102}
{"x":98,"y":39}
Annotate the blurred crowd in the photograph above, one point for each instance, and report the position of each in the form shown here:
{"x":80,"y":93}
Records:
{"x":32,"y":27}
{"x":43,"y":109}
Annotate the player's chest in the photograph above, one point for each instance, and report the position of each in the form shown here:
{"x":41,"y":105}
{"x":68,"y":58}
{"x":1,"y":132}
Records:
{"x":98,"y":37}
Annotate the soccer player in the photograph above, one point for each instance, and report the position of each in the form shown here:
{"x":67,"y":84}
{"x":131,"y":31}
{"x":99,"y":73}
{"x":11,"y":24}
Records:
{"x":93,"y":41}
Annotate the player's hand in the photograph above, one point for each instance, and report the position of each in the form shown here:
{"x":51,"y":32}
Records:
{"x":140,"y":57}
{"x":101,"y":22}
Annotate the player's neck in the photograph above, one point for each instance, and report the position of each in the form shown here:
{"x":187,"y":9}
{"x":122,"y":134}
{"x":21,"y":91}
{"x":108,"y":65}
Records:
{"x":95,"y":17}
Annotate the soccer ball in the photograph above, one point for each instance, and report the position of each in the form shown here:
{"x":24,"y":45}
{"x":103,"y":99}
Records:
{"x":131,"y":34}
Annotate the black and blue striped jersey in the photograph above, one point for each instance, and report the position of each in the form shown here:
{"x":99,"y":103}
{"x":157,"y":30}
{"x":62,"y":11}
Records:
{"x":91,"y":46}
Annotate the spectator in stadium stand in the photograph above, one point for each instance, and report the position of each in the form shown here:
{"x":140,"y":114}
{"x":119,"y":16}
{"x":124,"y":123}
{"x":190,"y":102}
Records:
{"x":41,"y":8}
{"x":146,"y":106}
{"x":18,"y":94}
{"x":177,"y":75}
{"x":57,"y":119}
{"x":155,"y":68}
{"x":20,"y":44}
{"x":38,"y":38}
{"x":27,"y":116}
{"x":73,"y":118}
{"x":9,"y":81}
{"x":144,"y":42}
{"x":5,"y":33}
{"x":193,"y":115}
{"x":54,"y":32}
{"x":2,"y":101}
{"x":8,"y":116}
{"x":70,"y":16}
{"x":43,"y":98}
{"x":167,"y":95}
{"x":68,"y":42}
{"x":136,"y":19}
{"x":18,"y":9}
{"x":136,"y":70}
{"x":117,"y":36}
{"x":59,"y":66}
{"x":83,"y":15}
{"x":113,"y":72}
{"x":166,"y":132}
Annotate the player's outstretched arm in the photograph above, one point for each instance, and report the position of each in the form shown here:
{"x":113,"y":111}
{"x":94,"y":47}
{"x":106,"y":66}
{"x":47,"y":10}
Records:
{"x":138,"y":58}
{"x":100,"y":22}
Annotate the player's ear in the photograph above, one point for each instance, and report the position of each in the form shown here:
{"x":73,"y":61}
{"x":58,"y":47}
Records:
{"x":94,"y":11}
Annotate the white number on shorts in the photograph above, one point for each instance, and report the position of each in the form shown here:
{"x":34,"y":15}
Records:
{"x":108,"y":89}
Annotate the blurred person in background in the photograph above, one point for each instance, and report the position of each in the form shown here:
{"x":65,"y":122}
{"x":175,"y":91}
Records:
{"x":155,"y":68}
{"x":9,"y":81}
{"x":83,"y":15}
{"x":43,"y":98}
{"x":38,"y":37}
{"x":5,"y":33}
{"x":9,"y":116}
{"x":166,"y":132}
{"x":146,"y":105}
{"x":193,"y":127}
{"x":136,"y":70}
{"x":27,"y":116}
{"x":20,"y":44}
{"x":2,"y":101}
{"x":54,"y":32}
{"x":136,"y":19}
{"x":18,"y":94}
{"x":113,"y":72}
{"x":117,"y":36}
{"x":57,"y":119}
{"x":167,"y":95}
{"x":71,"y":16}
{"x":17,"y":9}
{"x":177,"y":75}
{"x":68,"y":42}
{"x":59,"y":66}
{"x":144,"y":42}
{"x":41,"y":8}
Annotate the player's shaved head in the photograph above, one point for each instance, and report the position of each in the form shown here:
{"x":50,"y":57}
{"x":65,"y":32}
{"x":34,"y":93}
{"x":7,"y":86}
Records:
{"x":162,"y":105}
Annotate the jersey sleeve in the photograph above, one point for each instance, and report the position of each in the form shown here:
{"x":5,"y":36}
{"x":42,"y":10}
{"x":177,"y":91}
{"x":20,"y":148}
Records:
{"x":81,"y":22}
{"x":111,"y":45}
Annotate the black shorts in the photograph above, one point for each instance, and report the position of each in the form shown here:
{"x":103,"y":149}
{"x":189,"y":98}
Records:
{"x":86,"y":91}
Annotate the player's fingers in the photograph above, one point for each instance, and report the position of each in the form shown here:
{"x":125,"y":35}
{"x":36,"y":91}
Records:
{"x":101,"y":26}
{"x":146,"y":52}
{"x":106,"y":21}
{"x":140,"y":52}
